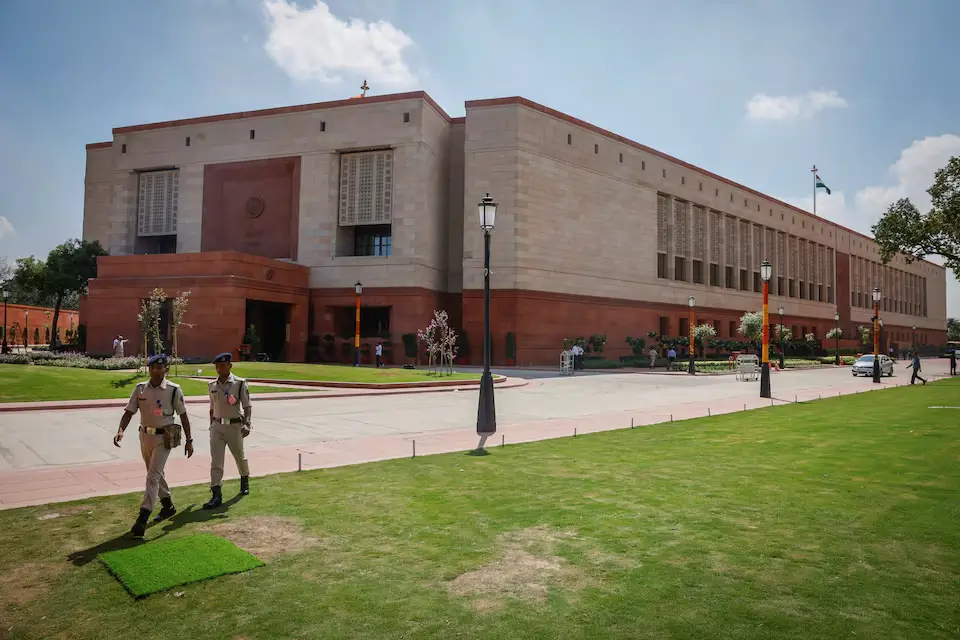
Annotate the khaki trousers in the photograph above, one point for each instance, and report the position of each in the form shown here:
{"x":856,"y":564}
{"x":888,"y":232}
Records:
{"x":221,"y":437}
{"x":155,"y":458}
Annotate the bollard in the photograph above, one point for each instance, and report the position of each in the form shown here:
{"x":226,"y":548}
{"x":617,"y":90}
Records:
{"x":503,"y":440}
{"x":299,"y":462}
{"x":414,"y":448}
{"x":794,"y":399}
{"x":671,"y":417}
{"x":631,"y":423}
{"x":744,"y":406}
{"x":819,"y":396}
{"x":771,"y":402}
{"x":574,"y":432}
{"x":708,"y":412}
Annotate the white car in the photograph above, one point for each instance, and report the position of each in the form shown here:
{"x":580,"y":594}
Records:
{"x":864,"y":366}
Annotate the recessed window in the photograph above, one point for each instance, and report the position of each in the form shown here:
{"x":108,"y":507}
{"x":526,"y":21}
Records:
{"x":621,"y":157}
{"x":781,"y":215}
{"x":188,"y":141}
{"x":253,"y":134}
{"x":569,"y":139}
{"x":664,"y":172}
{"x":731,"y":197}
{"x":123,"y":148}
{"x":803,"y":224}
{"x":745,"y":202}
{"x":373,"y":240}
{"x":323,"y":125}
{"x":661,"y":265}
{"x":683,"y":180}
{"x":701,"y":186}
{"x":643,"y":165}
{"x":406,"y":117}
{"x":716,"y":192}
{"x":596,"y":148}
{"x":758,"y":207}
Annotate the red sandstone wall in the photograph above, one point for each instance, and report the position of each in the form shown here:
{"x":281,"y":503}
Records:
{"x":252,"y":207}
{"x":37,"y":318}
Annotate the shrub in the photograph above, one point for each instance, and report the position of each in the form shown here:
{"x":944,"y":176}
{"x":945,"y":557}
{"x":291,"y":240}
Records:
{"x":637,"y":345}
{"x":72,"y":359}
{"x":597,"y":342}
{"x":600,"y":363}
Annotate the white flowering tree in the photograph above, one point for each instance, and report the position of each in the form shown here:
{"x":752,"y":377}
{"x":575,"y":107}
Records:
{"x":179,"y":311}
{"x":864,"y":335}
{"x":441,"y":343}
{"x":751,"y":325}
{"x":149,"y":319}
{"x":702,"y":334}
{"x":783,"y":332}
{"x":834,"y":334}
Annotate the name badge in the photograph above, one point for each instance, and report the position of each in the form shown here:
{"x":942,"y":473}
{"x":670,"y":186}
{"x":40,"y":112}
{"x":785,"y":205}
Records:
{"x":158,"y":410}
{"x":231,"y":399}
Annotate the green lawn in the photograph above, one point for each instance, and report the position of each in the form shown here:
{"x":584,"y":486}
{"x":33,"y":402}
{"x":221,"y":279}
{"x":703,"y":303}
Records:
{"x":833,"y":519}
{"x":31,"y":383}
{"x":334,"y":373}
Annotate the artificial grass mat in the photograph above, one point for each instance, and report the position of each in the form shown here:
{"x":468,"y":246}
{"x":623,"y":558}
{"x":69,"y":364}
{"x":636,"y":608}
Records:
{"x":157,"y":566}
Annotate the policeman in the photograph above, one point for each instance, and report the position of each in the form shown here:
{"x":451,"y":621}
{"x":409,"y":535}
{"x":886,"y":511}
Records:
{"x":230,"y":414}
{"x":159,"y":401}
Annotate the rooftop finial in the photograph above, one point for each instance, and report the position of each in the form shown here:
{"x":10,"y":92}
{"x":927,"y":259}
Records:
{"x":364,"y":88}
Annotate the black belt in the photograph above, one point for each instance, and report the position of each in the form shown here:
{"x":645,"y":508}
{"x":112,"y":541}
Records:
{"x":228,"y":420}
{"x":157,"y":431}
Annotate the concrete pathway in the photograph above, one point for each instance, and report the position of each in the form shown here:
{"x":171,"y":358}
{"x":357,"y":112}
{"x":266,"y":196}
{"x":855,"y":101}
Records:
{"x":51,"y":456}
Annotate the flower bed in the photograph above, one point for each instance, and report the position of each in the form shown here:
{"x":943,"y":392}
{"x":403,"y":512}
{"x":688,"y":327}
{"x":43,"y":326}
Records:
{"x":74,"y":360}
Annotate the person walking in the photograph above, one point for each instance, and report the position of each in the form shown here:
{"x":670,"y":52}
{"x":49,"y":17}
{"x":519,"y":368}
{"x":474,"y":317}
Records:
{"x":915,"y":365}
{"x":653,"y":357}
{"x":953,"y":362}
{"x":379,"y":352}
{"x":230,"y":415}
{"x":118,"y":344}
{"x":671,"y":357}
{"x":158,"y":401}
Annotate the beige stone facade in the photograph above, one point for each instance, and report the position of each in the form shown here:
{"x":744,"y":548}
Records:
{"x":583,"y":212}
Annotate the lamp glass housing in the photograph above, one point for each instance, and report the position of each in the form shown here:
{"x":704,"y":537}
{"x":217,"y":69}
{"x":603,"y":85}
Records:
{"x":488,"y":212}
{"x":358,"y":288}
{"x":876,"y":294}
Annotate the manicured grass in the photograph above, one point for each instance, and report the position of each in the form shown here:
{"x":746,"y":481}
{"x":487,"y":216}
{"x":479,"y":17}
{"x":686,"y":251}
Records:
{"x":30,"y":383}
{"x":162,"y":565}
{"x":833,"y":519}
{"x":335,"y":373}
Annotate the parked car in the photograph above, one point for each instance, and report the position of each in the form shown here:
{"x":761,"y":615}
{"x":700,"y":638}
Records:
{"x":864,"y":366}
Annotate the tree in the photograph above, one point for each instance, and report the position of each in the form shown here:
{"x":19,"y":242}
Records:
{"x":441,"y":342}
{"x":834,"y":333}
{"x":702,"y":333}
{"x":953,"y":329}
{"x":864,"y":335}
{"x":905,"y":230}
{"x":62,"y":278}
{"x":751,"y":325}
{"x":179,"y":311}
{"x":783,"y":332}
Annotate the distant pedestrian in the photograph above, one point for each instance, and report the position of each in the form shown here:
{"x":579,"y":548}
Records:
{"x":653,"y":357}
{"x":158,"y":401}
{"x":118,"y":343}
{"x":671,"y":356}
{"x":953,"y":362}
{"x":915,"y":365}
{"x":379,"y":352}
{"x":577,"y":351}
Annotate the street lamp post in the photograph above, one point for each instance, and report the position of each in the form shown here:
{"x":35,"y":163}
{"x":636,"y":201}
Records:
{"x":765,"y":271}
{"x":691,"y":367}
{"x":913,"y":339}
{"x":486,"y":412}
{"x":356,"y":336}
{"x":836,"y":328}
{"x":780,"y":329}
{"x":6,"y":327}
{"x":26,"y":331}
{"x":876,"y":335}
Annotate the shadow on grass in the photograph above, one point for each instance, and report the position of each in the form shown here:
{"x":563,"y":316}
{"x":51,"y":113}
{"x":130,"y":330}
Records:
{"x":86,"y":556}
{"x":190,"y":515}
{"x":125,"y":382}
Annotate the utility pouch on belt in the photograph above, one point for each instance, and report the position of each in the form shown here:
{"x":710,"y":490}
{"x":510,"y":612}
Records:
{"x":172,"y":436}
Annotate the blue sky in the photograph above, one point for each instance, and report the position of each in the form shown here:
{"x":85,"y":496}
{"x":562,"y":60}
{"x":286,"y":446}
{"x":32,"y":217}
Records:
{"x":756,"y":90}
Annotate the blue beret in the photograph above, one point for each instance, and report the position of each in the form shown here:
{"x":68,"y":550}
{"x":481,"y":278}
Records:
{"x":160,"y":358}
{"x":223,"y":357}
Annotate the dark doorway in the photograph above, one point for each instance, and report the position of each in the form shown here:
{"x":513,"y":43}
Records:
{"x":270,"y":321}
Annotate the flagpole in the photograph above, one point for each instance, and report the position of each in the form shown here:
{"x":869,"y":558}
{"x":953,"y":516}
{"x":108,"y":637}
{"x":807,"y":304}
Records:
{"x":814,"y":171}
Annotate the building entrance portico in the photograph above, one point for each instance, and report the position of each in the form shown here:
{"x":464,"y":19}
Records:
{"x":228,"y":291}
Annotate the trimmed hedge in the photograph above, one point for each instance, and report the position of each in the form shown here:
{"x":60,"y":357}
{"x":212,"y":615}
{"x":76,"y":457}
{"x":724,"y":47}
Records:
{"x":75,"y":360}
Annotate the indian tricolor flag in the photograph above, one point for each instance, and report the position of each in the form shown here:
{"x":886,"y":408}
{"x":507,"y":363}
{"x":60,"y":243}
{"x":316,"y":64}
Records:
{"x":818,"y":184}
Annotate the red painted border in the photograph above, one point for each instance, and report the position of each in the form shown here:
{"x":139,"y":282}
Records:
{"x":100,"y":145}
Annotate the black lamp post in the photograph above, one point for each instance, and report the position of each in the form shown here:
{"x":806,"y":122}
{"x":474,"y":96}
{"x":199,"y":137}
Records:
{"x":766,"y":269}
{"x":876,"y":334}
{"x":913,"y":338}
{"x":780,"y":329}
{"x":691,"y":367}
{"x":26,"y":331}
{"x":6,"y":327}
{"x":356,"y":335}
{"x":836,"y":334}
{"x":486,"y":412}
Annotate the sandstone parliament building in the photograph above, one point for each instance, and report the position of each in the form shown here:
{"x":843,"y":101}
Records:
{"x":269,"y":218}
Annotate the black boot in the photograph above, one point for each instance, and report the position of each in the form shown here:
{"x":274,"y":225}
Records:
{"x":167,"y":510}
{"x":139,"y":527}
{"x":244,"y":485}
{"x":215,"y":500}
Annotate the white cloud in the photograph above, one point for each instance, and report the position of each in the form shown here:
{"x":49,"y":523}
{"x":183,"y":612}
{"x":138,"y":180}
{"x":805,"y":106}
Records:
{"x":6,"y":228}
{"x":788,"y":108}
{"x":912,"y":175}
{"x":314,"y":44}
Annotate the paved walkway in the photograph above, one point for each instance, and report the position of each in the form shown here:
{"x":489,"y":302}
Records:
{"x":67,"y":455}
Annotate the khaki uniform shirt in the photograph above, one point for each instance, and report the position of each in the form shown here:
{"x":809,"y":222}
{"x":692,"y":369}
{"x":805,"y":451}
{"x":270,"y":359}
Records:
{"x":158,"y":406}
{"x":226,"y":398}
